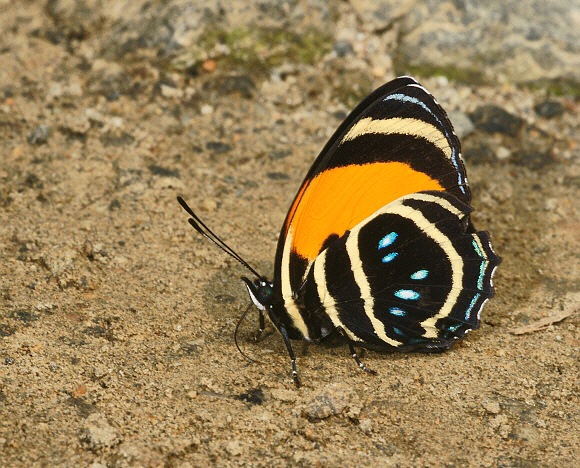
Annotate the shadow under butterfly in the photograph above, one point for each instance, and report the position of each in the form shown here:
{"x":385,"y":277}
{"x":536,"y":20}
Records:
{"x":378,"y":245}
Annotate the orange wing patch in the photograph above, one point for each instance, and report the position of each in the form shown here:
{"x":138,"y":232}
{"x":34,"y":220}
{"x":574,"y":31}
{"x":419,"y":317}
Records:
{"x":338,"y":199}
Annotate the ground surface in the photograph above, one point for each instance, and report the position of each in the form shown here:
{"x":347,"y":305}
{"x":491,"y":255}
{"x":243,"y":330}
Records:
{"x":116,"y":319}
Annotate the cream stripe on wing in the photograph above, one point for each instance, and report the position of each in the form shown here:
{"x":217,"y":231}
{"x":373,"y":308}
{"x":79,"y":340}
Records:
{"x":440,"y":201}
{"x":398,"y":125}
{"x":287,"y":295}
{"x":365,"y":287}
{"x":326,"y":298}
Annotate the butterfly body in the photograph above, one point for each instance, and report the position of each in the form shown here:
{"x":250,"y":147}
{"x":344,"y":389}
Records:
{"x":378,"y":244}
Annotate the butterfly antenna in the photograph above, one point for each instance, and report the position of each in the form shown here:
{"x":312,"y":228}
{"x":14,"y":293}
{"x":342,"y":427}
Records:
{"x":236,"y":334}
{"x":206,"y":232}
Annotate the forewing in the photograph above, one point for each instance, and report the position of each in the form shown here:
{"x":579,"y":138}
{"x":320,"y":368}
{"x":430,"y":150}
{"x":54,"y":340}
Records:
{"x":397,"y":141}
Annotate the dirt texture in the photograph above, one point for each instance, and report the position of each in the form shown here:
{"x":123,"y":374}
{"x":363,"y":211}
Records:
{"x":117,"y":318}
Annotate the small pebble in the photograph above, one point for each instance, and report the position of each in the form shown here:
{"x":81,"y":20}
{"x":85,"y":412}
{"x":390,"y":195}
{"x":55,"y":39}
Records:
{"x":208,"y":205}
{"x":218,"y":147}
{"x":502,"y":153}
{"x":209,"y":65}
{"x":206,"y":109}
{"x":234,"y":448}
{"x":494,"y":119}
{"x":343,"y":48}
{"x":39,"y":135}
{"x":550,"y":204}
{"x":87,"y":249}
{"x":98,"y":433}
{"x":170,"y":91}
{"x":331,"y":400}
{"x":491,"y":407}
{"x":366,"y":425}
{"x":549,"y":109}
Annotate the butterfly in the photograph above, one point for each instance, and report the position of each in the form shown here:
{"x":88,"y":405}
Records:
{"x":378,"y":245}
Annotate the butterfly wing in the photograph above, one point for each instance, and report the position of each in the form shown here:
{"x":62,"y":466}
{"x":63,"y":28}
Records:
{"x":409,"y":276}
{"x":397,"y":141}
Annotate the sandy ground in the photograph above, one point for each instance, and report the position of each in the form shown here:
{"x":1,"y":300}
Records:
{"x":117,"y":320}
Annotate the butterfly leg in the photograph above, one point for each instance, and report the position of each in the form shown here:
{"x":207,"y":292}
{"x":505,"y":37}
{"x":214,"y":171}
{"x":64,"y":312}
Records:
{"x":284,"y":334}
{"x":261,"y":328}
{"x":353,"y":352}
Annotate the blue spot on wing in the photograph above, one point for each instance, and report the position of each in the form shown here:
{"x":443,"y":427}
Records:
{"x":472,"y":303}
{"x":398,"y":312}
{"x":407,"y":294}
{"x":387,"y":240}
{"x":405,"y":98}
{"x":481,"y":266}
{"x":419,"y":275}
{"x":388,"y":258}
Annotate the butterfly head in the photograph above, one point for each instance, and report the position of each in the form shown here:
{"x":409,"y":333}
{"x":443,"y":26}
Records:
{"x":261,"y":292}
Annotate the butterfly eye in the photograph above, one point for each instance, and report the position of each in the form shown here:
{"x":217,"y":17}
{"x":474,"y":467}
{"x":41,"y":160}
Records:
{"x":264,"y":293}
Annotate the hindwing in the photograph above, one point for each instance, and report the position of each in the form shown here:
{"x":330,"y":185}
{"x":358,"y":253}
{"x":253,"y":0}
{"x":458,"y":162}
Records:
{"x":409,"y":276}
